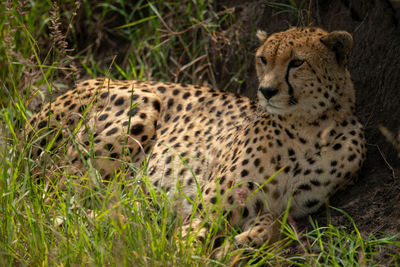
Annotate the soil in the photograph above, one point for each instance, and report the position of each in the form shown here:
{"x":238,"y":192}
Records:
{"x":374,"y":200}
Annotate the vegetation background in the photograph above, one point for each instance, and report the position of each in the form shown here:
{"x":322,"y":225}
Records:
{"x":46,"y":46}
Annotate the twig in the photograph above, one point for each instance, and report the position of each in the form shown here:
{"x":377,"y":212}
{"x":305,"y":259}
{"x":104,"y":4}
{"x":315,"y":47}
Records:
{"x":384,"y":159}
{"x":192,"y":62}
{"x":390,"y":137}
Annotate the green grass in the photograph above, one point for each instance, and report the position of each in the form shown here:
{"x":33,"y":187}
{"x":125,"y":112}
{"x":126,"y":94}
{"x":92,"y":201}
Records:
{"x":127,"y":221}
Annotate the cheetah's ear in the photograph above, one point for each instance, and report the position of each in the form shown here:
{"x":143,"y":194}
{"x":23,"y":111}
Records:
{"x":341,"y":43}
{"x":261,"y":35}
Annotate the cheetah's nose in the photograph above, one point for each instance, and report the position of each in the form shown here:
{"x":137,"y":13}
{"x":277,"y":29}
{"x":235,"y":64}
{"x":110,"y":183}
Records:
{"x":268,"y":92}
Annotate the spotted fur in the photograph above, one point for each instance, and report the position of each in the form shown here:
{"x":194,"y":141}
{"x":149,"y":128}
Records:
{"x":300,"y":142}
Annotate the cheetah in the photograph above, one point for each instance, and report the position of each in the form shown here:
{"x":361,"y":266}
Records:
{"x":248,"y":161}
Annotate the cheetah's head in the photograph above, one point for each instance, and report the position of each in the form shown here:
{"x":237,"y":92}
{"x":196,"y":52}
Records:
{"x":303,"y":72}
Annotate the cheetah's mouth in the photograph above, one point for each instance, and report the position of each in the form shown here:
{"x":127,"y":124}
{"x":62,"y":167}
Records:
{"x":276,"y":108}
{"x":272,"y":105}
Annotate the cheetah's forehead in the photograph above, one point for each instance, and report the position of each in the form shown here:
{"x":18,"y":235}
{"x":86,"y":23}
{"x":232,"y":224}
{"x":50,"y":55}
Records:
{"x":295,"y":35}
{"x":284,"y":43}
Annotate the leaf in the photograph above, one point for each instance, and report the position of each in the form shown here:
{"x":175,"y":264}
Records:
{"x":136,"y":22}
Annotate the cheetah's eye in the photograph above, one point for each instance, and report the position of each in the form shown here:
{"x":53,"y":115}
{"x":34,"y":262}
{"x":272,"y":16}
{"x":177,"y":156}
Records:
{"x":262,"y":60}
{"x":295,"y":63}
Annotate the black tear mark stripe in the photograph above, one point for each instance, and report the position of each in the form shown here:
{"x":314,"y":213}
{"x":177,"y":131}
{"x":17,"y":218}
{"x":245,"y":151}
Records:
{"x":291,"y":90}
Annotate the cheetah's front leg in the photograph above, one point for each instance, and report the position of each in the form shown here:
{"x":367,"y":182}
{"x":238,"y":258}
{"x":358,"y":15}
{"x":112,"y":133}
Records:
{"x":259,"y":231}
{"x":264,"y":229}
{"x":195,"y":228}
